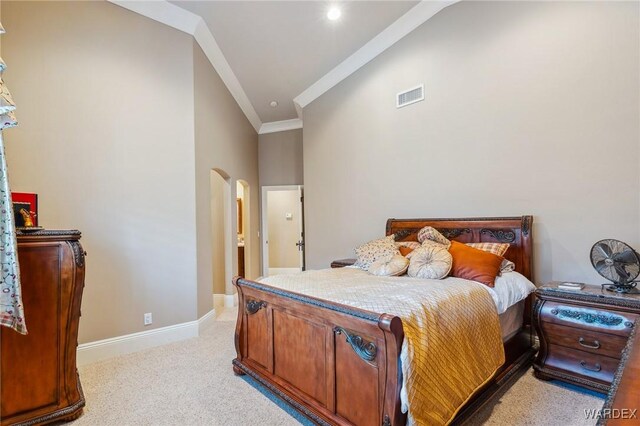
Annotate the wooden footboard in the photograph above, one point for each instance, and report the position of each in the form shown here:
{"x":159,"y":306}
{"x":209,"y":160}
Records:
{"x":333,"y":363}
{"x":340,"y":365}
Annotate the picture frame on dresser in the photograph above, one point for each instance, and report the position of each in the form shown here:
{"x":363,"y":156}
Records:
{"x":27,"y":202}
{"x":582,"y":333}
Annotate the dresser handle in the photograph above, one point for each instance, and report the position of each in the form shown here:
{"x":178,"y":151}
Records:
{"x":596,"y":368}
{"x":596,"y":344}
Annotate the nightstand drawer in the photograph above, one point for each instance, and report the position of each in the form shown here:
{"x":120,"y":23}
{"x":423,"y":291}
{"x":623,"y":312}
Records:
{"x":598,"y":367}
{"x":611,"y":322}
{"x":585,"y":340}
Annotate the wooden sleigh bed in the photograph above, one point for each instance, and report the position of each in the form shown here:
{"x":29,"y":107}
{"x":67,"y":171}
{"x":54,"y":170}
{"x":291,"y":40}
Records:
{"x":283,"y":338}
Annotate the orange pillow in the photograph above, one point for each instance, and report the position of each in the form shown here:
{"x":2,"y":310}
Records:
{"x":405,"y":250}
{"x":473,"y":264}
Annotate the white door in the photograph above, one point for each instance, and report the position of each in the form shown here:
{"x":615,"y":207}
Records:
{"x":282,"y":229}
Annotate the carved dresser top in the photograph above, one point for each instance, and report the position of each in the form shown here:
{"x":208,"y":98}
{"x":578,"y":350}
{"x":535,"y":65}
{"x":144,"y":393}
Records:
{"x":591,"y":294}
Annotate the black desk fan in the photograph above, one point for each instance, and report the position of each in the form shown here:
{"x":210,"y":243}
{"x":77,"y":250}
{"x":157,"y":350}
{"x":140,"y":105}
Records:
{"x":617,"y":262}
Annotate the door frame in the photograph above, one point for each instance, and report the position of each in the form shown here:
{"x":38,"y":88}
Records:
{"x":264,"y":222}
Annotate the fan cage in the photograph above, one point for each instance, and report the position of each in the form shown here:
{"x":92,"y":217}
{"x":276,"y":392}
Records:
{"x":617,"y":262}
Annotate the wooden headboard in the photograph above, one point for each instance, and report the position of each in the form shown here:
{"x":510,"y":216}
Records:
{"x":513,"y":230}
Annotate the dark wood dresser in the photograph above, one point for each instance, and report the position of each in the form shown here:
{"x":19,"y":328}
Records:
{"x":341,"y":263}
{"x":38,"y":375}
{"x":582,"y":334}
{"x":623,"y":402}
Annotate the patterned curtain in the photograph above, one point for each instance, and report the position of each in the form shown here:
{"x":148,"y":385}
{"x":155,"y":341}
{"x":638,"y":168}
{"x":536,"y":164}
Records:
{"x":11,"y":310}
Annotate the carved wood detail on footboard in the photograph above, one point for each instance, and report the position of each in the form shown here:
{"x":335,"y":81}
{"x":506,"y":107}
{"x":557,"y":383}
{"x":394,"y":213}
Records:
{"x":313,"y":354}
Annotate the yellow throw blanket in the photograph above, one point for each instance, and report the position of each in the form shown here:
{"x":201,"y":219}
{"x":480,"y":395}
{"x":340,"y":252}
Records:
{"x":452,"y":344}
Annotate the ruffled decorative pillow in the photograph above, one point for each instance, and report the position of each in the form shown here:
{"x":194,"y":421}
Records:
{"x":411,"y":244}
{"x":430,"y":261}
{"x":382,"y":249}
{"x":507,"y":266}
{"x":393,"y":267}
{"x":431,"y":234}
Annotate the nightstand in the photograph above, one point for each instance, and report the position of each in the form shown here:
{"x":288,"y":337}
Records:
{"x":582,"y":333}
{"x":341,"y":263}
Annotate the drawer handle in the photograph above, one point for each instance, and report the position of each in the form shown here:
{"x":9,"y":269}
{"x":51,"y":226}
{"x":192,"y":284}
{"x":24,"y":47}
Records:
{"x":595,"y":368}
{"x":596,"y":344}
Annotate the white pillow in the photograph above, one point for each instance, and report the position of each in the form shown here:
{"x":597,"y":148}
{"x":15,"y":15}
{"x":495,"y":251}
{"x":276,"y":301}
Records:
{"x":393,"y":267}
{"x":510,"y":288}
{"x":430,"y":261}
{"x":381,"y":249}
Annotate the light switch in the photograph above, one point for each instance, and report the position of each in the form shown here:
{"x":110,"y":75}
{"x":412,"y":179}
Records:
{"x":288,"y":216}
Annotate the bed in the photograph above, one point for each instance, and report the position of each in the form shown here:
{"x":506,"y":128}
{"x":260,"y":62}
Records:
{"x":339,"y":364}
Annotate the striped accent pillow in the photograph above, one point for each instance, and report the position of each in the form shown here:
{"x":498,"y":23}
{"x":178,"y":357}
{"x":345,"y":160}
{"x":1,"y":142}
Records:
{"x":499,"y":249}
{"x":429,"y":233}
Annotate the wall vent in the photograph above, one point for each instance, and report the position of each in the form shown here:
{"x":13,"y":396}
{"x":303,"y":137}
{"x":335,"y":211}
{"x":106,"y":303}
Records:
{"x":411,"y":96}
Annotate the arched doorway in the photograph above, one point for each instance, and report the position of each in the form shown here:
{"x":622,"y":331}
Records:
{"x":244,"y":228}
{"x":221,"y":261}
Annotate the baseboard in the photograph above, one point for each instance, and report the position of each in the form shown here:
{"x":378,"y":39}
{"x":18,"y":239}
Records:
{"x":218,"y":301}
{"x":206,"y":320}
{"x":230,"y":300}
{"x":100,"y":350}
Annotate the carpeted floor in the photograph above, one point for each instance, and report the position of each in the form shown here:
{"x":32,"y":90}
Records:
{"x":191,"y":383}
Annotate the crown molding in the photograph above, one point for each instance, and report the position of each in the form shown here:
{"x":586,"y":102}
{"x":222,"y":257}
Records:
{"x":163,"y":12}
{"x":211,"y":49}
{"x":190,"y":23}
{"x":280,"y":126}
{"x":408,"y":22}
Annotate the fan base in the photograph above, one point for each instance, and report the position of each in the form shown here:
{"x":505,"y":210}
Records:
{"x":624,"y":289}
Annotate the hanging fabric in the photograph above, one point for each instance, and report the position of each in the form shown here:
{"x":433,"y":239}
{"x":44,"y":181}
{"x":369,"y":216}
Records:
{"x":11,"y":309}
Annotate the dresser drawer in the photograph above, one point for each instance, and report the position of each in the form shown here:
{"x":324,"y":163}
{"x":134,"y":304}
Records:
{"x":611,"y":322}
{"x":585,"y":340}
{"x":597,"y":367}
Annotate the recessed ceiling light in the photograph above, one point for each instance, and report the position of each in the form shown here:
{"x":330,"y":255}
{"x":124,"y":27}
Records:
{"x":333,"y":14}
{"x":273,"y":104}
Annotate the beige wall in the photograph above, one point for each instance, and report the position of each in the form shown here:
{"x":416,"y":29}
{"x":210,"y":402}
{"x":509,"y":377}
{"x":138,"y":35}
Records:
{"x":220,"y":191}
{"x":105,"y":102}
{"x":280,"y":158}
{"x":531,"y":108}
{"x":225,"y":140}
{"x":283,"y":233}
{"x":119,"y":132}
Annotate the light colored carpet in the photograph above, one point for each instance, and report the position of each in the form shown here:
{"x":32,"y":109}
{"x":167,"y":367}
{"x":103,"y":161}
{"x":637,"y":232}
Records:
{"x":533,"y":402}
{"x":191,"y":383}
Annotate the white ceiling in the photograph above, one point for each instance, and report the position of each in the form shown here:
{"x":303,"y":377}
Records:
{"x":278,"y":49}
